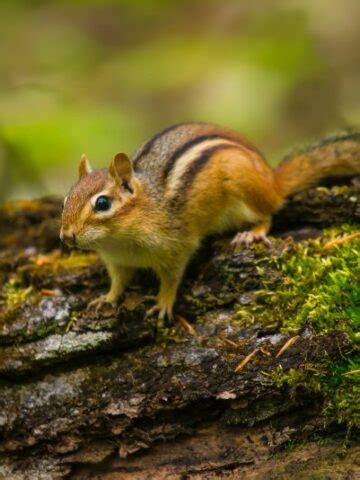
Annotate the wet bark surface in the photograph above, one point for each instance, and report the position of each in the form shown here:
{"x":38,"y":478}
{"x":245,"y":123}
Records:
{"x":109,"y":396}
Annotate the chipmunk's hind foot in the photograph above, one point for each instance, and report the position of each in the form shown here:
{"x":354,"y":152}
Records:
{"x":257,"y":234}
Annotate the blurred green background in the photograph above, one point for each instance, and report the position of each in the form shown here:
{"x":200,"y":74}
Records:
{"x":101,"y":76}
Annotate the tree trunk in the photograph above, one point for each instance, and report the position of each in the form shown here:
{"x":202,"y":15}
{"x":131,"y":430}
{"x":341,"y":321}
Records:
{"x":220,"y":393}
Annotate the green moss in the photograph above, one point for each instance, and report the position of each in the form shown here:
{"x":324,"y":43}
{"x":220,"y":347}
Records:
{"x":309,"y":374}
{"x":319,"y":287}
{"x":342,"y":392}
{"x":55,"y":261}
{"x":72,"y":321}
{"x":73,"y":261}
{"x":14,"y":294}
{"x":13,"y":207}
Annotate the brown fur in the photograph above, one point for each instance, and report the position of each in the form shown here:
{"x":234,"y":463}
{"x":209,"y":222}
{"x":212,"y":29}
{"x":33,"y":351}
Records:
{"x":85,"y":188}
{"x":190,"y":180}
{"x":336,"y":156}
{"x":234,"y":179}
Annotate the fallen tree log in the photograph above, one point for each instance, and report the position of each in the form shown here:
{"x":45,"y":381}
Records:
{"x":262,"y":355}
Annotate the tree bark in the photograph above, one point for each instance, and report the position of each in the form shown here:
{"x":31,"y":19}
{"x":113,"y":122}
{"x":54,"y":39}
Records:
{"x":109,"y":396}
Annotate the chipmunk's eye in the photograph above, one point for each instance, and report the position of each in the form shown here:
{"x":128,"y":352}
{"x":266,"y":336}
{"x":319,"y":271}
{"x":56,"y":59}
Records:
{"x":102,"y":204}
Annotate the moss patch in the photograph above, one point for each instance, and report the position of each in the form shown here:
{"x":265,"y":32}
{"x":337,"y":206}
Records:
{"x":339,"y":387}
{"x":14,"y":294}
{"x":319,"y":288}
{"x":73,"y":261}
{"x":342,"y":392}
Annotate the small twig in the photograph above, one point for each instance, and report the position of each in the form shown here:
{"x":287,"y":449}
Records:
{"x":48,"y":293}
{"x":189,"y":328}
{"x":339,"y":241}
{"x":287,"y":345}
{"x":245,"y":360}
{"x":351,"y":372}
{"x":229,"y":342}
{"x":28,"y":290}
{"x":265,"y":352}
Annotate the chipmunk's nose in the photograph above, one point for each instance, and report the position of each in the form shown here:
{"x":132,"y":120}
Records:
{"x":68,"y":236}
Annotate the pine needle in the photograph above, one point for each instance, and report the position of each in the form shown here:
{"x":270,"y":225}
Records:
{"x":245,"y":361}
{"x":287,"y":345}
{"x":339,"y":241}
{"x":184,"y":323}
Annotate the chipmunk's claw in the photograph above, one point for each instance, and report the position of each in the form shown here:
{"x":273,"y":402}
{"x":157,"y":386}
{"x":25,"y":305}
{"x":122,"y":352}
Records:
{"x":247,"y":238}
{"x":163,"y":312}
{"x":99,"y":303}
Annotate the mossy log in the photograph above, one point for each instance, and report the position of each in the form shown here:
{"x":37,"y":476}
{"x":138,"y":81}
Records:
{"x":251,"y":365}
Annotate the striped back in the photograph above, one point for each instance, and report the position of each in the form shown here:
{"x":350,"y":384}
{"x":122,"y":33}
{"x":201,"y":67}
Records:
{"x":174,"y":156}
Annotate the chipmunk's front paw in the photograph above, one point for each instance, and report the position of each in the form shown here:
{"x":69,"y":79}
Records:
{"x":101,"y":302}
{"x":163,"y":312}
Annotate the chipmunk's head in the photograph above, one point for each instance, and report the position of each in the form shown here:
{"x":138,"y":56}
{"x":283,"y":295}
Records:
{"x":99,"y":203}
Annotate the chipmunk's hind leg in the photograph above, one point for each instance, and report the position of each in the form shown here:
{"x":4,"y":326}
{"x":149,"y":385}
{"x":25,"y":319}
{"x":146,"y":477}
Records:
{"x":257,"y":234}
{"x":252,"y":196}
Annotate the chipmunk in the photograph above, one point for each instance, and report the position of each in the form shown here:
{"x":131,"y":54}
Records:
{"x":188,"y":181}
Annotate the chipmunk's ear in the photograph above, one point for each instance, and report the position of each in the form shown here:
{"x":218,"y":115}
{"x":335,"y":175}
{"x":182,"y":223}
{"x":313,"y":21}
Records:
{"x":84,"y":166}
{"x":121,"y":170}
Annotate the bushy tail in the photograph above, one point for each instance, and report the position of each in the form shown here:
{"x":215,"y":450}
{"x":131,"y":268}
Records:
{"x":335,"y":156}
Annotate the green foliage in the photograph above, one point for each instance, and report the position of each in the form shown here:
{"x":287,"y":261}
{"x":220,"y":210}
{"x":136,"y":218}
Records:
{"x":100,"y":77}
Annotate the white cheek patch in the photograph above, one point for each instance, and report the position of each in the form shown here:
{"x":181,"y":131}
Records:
{"x":91,"y":235}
